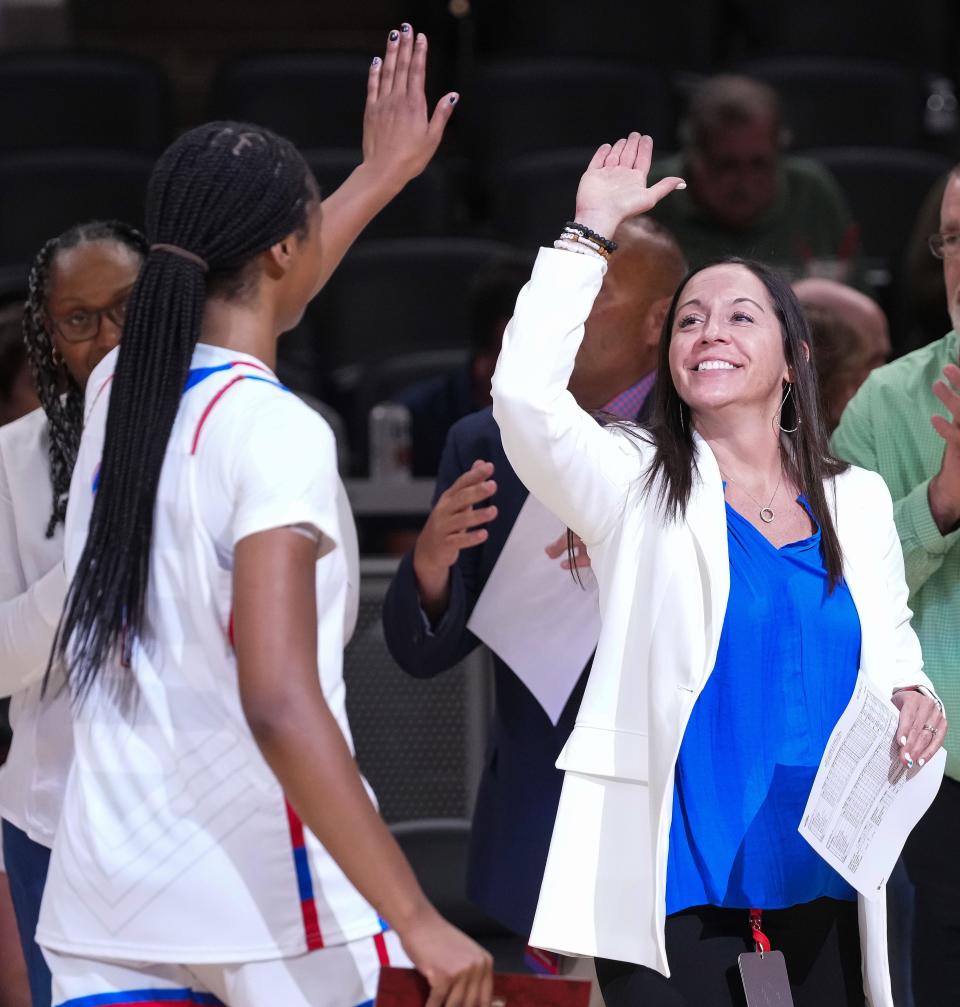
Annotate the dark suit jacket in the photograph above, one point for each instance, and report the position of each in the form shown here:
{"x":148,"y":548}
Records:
{"x":435,"y":404}
{"x":520,"y":786}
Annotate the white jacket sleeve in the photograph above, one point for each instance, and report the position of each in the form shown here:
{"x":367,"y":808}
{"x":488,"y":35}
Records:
{"x":579,"y":470}
{"x":29,"y":613}
{"x":907,"y":666}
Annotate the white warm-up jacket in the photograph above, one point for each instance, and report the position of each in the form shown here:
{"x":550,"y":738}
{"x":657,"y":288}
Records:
{"x":663,"y":594}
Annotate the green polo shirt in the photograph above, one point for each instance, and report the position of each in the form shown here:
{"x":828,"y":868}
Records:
{"x":808,"y":219}
{"x":886,"y":428}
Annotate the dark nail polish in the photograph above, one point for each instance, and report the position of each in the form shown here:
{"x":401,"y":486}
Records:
{"x":394,"y":35}
{"x":376,"y":60}
{"x":404,"y":27}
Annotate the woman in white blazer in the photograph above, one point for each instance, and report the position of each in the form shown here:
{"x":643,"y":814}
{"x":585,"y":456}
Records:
{"x":745,"y":578}
{"x":78,"y":288}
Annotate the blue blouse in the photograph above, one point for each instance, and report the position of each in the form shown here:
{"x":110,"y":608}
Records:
{"x":786,"y":667}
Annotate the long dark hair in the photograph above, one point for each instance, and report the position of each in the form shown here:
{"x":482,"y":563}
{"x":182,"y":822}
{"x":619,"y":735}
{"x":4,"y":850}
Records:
{"x":806,"y":452}
{"x":223,"y":193}
{"x":61,"y":396}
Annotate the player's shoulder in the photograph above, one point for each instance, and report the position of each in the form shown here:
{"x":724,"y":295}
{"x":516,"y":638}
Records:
{"x":260,"y":419}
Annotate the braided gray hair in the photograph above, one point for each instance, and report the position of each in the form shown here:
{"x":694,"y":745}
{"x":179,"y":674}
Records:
{"x":60,"y":395}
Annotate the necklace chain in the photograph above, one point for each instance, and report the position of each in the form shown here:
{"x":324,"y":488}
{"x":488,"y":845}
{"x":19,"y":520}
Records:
{"x":767,"y":514}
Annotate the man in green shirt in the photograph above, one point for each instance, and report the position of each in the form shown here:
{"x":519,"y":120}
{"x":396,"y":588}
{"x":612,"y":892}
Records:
{"x":745,"y":197}
{"x":905,"y":424}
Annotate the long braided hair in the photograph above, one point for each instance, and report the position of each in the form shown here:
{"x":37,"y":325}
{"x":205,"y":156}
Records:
{"x":60,"y":395}
{"x":223,"y":192}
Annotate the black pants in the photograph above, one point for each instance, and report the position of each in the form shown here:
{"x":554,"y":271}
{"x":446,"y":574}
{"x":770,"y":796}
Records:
{"x":819,"y":940}
{"x":933,"y":863}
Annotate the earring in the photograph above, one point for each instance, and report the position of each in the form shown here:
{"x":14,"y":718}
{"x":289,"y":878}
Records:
{"x":783,"y":402}
{"x":683,"y":422}
{"x":55,"y":356}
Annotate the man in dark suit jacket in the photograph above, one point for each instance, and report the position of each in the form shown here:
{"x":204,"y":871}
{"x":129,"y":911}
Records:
{"x":477,"y":499}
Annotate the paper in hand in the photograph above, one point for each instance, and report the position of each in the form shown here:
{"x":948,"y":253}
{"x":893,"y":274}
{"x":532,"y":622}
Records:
{"x":534,"y":616}
{"x":865,"y":802}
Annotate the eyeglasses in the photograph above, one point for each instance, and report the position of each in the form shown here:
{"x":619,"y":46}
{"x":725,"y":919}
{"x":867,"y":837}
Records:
{"x":81,"y":326}
{"x":944,"y":246}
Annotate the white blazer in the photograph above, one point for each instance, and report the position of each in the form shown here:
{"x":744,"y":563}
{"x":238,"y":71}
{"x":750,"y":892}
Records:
{"x":663,"y":594}
{"x":32,"y":588}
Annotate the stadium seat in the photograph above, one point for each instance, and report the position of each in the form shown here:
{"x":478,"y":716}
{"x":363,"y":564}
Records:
{"x":45,"y":192}
{"x":422,"y":209}
{"x":78,"y":99}
{"x":918,"y":35}
{"x":885,"y":189}
{"x":314,"y":99}
{"x":839,"y":102}
{"x":420,"y":742}
{"x":398,"y":296}
{"x":384,"y":378}
{"x":522,"y":106}
{"x":535,"y":194}
{"x":661,"y":34}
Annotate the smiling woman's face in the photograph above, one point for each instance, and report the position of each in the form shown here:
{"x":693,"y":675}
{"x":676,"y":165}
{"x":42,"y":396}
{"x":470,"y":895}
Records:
{"x":726,"y":346}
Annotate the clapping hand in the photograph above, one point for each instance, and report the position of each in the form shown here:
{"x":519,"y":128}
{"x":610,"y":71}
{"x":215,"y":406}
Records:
{"x":944,"y":491}
{"x":614,"y":186}
{"x":399,"y":137}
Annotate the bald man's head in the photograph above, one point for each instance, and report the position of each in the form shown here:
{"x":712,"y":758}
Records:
{"x":855,"y":309}
{"x":623,"y":329}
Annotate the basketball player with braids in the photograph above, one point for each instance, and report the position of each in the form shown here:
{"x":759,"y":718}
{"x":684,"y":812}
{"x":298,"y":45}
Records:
{"x":78,"y":287}
{"x":218,"y":844}
{"x":78,"y":292}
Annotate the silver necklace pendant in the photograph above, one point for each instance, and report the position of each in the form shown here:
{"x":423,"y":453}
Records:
{"x":767,"y":515}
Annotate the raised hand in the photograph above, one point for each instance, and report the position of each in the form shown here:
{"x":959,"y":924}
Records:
{"x":614,"y":186}
{"x":399,"y":138}
{"x":455,"y":523}
{"x":944,"y":491}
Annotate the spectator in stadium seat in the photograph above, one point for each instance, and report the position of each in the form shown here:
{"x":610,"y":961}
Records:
{"x":905,"y":424}
{"x":437,"y":403}
{"x":923,"y":293}
{"x":744,"y":196}
{"x":438,"y":583}
{"x":851,"y":337}
{"x":857,"y":310}
{"x":841,"y":358}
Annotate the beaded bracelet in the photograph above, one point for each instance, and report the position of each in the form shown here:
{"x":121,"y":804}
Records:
{"x":573,"y":246}
{"x":607,"y":243}
{"x":571,"y":235}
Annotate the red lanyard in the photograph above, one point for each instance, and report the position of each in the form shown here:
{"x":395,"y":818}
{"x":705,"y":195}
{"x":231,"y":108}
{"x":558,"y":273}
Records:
{"x":760,"y":939}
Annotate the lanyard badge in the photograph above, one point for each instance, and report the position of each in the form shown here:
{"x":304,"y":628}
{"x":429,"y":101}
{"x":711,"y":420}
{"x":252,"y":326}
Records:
{"x":764,"y":972}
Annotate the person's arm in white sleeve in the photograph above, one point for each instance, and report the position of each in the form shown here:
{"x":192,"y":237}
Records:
{"x":912,"y":690}
{"x":29,"y":613}
{"x":579,"y":470}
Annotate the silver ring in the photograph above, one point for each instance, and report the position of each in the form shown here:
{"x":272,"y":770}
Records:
{"x":932,"y":730}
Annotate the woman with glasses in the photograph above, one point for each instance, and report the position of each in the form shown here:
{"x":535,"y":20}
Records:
{"x":78,"y":288}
